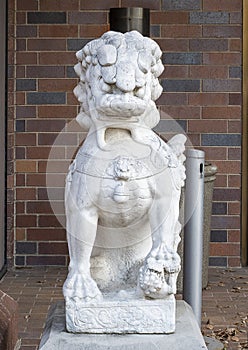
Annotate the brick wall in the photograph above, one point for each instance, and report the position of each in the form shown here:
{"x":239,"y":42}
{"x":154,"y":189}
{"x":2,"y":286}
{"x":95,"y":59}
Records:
{"x":202,"y":92}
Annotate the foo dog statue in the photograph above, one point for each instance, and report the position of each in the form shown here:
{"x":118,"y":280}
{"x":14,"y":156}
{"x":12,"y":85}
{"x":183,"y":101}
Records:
{"x":123,"y":187}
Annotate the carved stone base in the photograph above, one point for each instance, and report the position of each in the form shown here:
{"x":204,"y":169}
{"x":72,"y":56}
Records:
{"x":122,"y":316}
{"x":187,"y":335}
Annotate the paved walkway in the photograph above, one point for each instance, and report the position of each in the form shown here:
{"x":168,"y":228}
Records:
{"x":224,"y":311}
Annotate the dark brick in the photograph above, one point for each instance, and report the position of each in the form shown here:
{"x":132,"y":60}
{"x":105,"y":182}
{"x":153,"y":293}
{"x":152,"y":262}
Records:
{"x":25,"y":111}
{"x":235,"y":99}
{"x":76,"y":44}
{"x":43,"y":98}
{"x":235,"y":72}
{"x":53,"y":248}
{"x":218,"y":236}
{"x":70,"y":72}
{"x":25,"y":31}
{"x":87,"y":17}
{"x":155,"y":31}
{"x":226,"y":194}
{"x":223,"y":85}
{"x":51,"y":125}
{"x":208,"y":45}
{"x":20,"y":152}
{"x":172,"y":85}
{"x":221,"y":140}
{"x":222,"y":31}
{"x":20,"y":260}
{"x":209,"y":17}
{"x":219,"y":208}
{"x":46,"y":260}
{"x":45,"y":72}
{"x":218,"y":261}
{"x":46,"y":17}
{"x":20,"y":125}
{"x":181,"y":5}
{"x":171,"y":125}
{"x":182,"y":58}
{"x":26,"y":248}
{"x":25,"y":84}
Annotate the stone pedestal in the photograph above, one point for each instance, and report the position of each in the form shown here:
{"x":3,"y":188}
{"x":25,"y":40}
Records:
{"x":186,"y":336}
{"x":127,"y":316}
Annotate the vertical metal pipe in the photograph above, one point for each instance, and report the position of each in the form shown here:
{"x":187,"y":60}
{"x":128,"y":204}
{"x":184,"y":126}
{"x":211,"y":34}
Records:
{"x":193,"y":231}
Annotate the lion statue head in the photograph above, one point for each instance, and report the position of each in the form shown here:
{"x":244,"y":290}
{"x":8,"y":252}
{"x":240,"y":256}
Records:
{"x":119,"y":79}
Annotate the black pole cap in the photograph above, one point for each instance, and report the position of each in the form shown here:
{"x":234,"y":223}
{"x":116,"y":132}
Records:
{"x":125,"y":19}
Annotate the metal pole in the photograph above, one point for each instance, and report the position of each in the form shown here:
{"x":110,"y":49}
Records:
{"x":193,"y":231}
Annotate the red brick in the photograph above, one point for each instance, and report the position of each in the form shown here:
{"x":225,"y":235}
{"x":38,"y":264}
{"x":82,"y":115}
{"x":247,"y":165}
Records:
{"x":220,"y":181}
{"x":26,"y":58}
{"x":234,"y":262}
{"x":215,"y":153}
{"x":208,"y":99}
{"x":181,"y":112}
{"x":228,"y":166}
{"x":20,"y":234}
{"x":21,"y":17}
{"x":27,"y":5}
{"x":223,"y":5}
{"x":225,"y":112}
{"x":25,"y":193}
{"x":225,"y":58}
{"x":234,"y":126}
{"x":208,"y":72}
{"x":59,"y":5}
{"x":53,"y":248}
{"x":172,"y":99}
{"x":48,"y":221}
{"x":71,"y":99}
{"x":20,"y":180}
{"x":234,"y":181}
{"x":92,"y":30}
{"x":203,"y":126}
{"x":181,"y":31}
{"x":38,"y":152}
{"x":224,"y":249}
{"x":25,"y":139}
{"x":39,"y":207}
{"x":63,"y":58}
{"x":63,"y":112}
{"x":49,"y":234}
{"x":234,"y":235}
{"x":20,"y":98}
{"x":54,"y":31}
{"x":169,"y":17}
{"x":174,"y":45}
{"x":25,"y":220}
{"x":56,"y":84}
{"x":235,"y":45}
{"x":175,"y":72}
{"x":234,"y":153}
{"x":20,"y":207}
{"x":25,"y":166}
{"x":36,"y":180}
{"x":46,"y":44}
{"x":98,"y":4}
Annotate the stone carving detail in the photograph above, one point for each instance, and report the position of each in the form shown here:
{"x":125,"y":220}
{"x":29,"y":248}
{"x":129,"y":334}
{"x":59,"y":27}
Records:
{"x":123,"y":188}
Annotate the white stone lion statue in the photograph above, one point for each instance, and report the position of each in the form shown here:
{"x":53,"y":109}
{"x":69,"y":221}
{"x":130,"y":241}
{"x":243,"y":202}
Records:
{"x":123,"y":187}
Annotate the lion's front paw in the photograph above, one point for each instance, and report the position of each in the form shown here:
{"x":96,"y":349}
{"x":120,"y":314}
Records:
{"x":82,"y":286}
